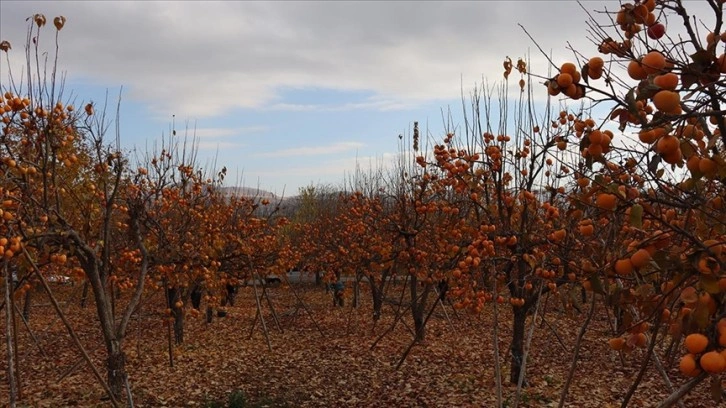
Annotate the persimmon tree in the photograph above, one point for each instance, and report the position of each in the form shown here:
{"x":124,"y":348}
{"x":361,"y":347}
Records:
{"x":429,"y":227}
{"x":254,"y":244}
{"x":317,"y":235}
{"x":202,"y":241}
{"x":174,"y":198}
{"x":370,"y":234}
{"x":371,"y":255}
{"x":659,"y":69}
{"x":505,"y":184}
{"x":347,"y":235}
{"x":312,"y":205}
{"x":69,"y":187}
{"x":416,"y":227}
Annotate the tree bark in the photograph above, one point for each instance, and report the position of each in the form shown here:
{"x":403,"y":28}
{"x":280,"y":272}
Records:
{"x":196,"y":297}
{"x":685,"y":389}
{"x":231,"y":292}
{"x":377,"y":295}
{"x":356,"y":292}
{"x":178,"y":326}
{"x":517,"y":348}
{"x":116,"y":364}
{"x":174,"y":295}
{"x":84,"y":296}
{"x":418,"y":306}
{"x":27,"y":302}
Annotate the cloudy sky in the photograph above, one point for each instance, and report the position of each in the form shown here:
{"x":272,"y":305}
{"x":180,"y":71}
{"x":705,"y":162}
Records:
{"x":288,"y":94}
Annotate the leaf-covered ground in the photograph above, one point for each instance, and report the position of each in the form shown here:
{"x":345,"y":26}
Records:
{"x":455,"y":366}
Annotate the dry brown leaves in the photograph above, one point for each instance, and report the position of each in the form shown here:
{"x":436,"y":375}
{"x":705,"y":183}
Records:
{"x":455,"y":367}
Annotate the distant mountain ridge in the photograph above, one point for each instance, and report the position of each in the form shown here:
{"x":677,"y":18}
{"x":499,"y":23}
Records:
{"x":247,"y":192}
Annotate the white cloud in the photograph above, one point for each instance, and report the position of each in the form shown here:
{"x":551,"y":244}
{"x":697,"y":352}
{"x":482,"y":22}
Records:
{"x":314,"y":150}
{"x":376,"y":105}
{"x":204,"y":133}
{"x":216,"y":145}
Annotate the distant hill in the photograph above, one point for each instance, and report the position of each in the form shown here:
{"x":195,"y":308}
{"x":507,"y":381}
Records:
{"x":247,"y":192}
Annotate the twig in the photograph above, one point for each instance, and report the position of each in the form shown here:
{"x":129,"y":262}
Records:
{"x":643,"y":367}
{"x":397,"y":317}
{"x":70,"y":370}
{"x":537,"y":45}
{"x":651,"y":354}
{"x":18,"y":378}
{"x":128,"y":391}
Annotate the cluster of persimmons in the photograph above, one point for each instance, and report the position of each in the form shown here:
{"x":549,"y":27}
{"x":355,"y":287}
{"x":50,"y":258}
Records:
{"x":665,"y":196}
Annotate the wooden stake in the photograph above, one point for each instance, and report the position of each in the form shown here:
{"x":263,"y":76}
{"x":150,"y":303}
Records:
{"x":443,"y":307}
{"x":15,"y":352}
{"x":9,"y":338}
{"x":32,"y":335}
{"x":71,"y":332}
{"x":170,"y":345}
{"x":266,"y":294}
{"x":259,"y":311}
{"x":304,"y":306}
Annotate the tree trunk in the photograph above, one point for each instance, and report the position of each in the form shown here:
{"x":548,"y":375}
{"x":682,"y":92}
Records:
{"x":231,"y":293}
{"x":178,"y":325}
{"x":84,"y":296}
{"x":517,"y":349}
{"x":174,"y":295}
{"x":418,"y":325}
{"x":27,"y":302}
{"x":377,"y":294}
{"x":338,"y":291}
{"x":116,"y":365}
{"x":196,"y":297}
{"x":356,"y":292}
{"x":418,"y":306}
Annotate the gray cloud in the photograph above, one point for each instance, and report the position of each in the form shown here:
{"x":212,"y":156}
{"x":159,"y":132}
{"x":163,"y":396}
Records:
{"x":203,"y":59}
